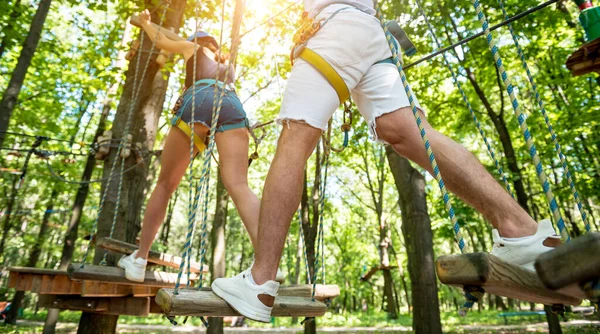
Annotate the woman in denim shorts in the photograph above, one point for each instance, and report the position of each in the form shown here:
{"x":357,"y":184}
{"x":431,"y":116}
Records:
{"x":195,"y":108}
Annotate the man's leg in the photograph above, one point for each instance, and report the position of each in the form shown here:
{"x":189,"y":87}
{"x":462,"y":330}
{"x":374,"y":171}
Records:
{"x":463,"y":174}
{"x":281,"y":196}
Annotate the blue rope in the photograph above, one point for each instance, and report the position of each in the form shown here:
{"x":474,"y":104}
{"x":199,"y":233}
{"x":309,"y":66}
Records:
{"x":202,"y":189}
{"x":436,"y":171}
{"x":522,"y":122}
{"x":466,"y":100}
{"x":540,"y":102}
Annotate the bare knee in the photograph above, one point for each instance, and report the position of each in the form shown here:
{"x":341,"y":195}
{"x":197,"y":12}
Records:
{"x":167,"y":185}
{"x":395,"y":128}
{"x":297,"y":140}
{"x":234,"y":183}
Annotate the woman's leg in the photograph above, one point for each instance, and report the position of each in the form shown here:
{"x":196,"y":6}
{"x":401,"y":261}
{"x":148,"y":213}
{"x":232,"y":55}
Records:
{"x":175,"y":159}
{"x":233,"y":156}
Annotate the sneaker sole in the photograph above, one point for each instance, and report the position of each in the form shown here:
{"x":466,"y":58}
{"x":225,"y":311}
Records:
{"x":129,"y":276}
{"x":239,"y":305}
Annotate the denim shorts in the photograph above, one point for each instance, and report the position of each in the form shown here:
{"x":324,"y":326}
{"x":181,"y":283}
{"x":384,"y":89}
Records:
{"x":231,"y":116}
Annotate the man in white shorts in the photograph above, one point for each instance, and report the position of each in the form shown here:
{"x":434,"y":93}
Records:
{"x":352,"y":41}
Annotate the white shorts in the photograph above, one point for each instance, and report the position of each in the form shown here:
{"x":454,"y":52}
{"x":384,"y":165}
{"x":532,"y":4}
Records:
{"x":352,"y":42}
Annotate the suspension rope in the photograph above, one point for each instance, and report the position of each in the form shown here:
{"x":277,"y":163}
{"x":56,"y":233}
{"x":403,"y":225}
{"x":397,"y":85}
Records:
{"x":490,"y":150}
{"x":301,"y":231}
{"x":202,"y":189}
{"x":122,"y":144}
{"x":522,"y":122}
{"x":540,"y":102}
{"x":470,"y":38}
{"x":436,"y":171}
{"x":269,"y":19}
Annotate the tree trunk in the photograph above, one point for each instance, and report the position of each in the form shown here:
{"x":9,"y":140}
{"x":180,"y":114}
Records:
{"x":553,"y":321}
{"x":83,"y":190}
{"x":146,"y":109}
{"x":34,"y":256}
{"x":80,"y":198}
{"x":388,"y":291}
{"x":310,"y":230}
{"x":6,"y":225}
{"x":8,"y":29}
{"x":418,"y":239}
{"x":217,"y":239}
{"x":9,"y":99}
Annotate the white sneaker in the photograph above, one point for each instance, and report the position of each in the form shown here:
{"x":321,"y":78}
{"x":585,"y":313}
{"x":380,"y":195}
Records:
{"x":241,"y":293}
{"x":135,"y":269}
{"x":524,"y":251}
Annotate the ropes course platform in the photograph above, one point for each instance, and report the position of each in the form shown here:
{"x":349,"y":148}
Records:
{"x":42,"y":281}
{"x":117,"y":275}
{"x":135,"y":306}
{"x":58,"y":282}
{"x":154,"y":257}
{"x":291,"y":301}
{"x":586,"y":59}
{"x":500,"y":278}
{"x":576,"y":262}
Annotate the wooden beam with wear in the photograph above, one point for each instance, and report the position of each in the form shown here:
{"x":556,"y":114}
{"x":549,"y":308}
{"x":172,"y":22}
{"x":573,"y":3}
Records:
{"x":586,"y":59}
{"x":133,"y":306}
{"x":155,"y":257}
{"x":42,"y":281}
{"x":205,"y":303}
{"x":575,"y":262}
{"x":502,"y":279}
{"x":135,"y":20}
{"x":117,"y":275}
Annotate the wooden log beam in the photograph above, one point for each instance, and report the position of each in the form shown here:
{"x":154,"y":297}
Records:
{"x":586,"y":59}
{"x":153,"y":257}
{"x":111,"y":306}
{"x":501,"y":278}
{"x":206,"y":303}
{"x":42,"y":281}
{"x":135,"y":20}
{"x":103,"y":289}
{"x":572,"y":263}
{"x":117,"y":276}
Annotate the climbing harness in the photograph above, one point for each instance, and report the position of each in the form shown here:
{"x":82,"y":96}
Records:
{"x":308,"y":28}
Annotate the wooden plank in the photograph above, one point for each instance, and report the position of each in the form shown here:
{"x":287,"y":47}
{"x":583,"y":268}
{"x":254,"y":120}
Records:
{"x":37,"y":271}
{"x":322,"y":292}
{"x":110,"y":306}
{"x":103,"y":289}
{"x":73,"y":303}
{"x":575,"y":262}
{"x":153,"y":257}
{"x":206,"y":303}
{"x":135,"y":20}
{"x":117,"y":276}
{"x":144,"y":291}
{"x":500,"y":278}
{"x":135,"y":306}
{"x":13,"y":279}
{"x":586,"y":59}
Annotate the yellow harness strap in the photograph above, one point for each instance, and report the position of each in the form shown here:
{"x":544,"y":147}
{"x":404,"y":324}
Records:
{"x":327,"y":71}
{"x":188,"y":131}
